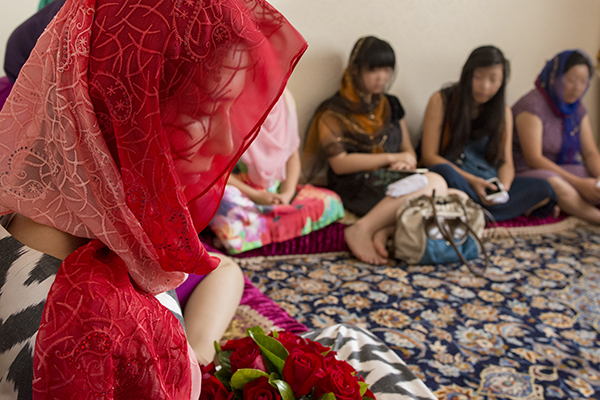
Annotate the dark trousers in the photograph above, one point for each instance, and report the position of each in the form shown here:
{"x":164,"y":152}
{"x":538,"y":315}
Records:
{"x":524,"y":193}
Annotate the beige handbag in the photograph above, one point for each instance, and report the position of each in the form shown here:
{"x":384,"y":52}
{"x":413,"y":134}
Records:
{"x":440,"y":230}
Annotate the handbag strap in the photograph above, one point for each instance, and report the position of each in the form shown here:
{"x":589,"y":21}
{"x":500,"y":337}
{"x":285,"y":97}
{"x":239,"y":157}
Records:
{"x":443,"y":230}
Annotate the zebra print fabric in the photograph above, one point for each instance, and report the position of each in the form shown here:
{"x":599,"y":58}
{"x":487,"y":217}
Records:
{"x":26,"y":276}
{"x":388,"y":376}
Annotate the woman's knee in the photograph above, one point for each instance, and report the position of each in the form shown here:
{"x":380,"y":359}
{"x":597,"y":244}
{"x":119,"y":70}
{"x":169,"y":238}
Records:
{"x":445,"y":170}
{"x":228,"y":269}
{"x":436,"y":181}
{"x":562,"y":188}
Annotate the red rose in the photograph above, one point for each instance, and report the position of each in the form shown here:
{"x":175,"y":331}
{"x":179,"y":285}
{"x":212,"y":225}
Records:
{"x":302,"y":369}
{"x":290,"y":341}
{"x":237,"y":343}
{"x":207,"y":370}
{"x":213,"y":389}
{"x":319,"y":347}
{"x":340,"y":382}
{"x":260,"y":389}
{"x":331,"y":361}
{"x":247,"y":356}
{"x":368,"y":393}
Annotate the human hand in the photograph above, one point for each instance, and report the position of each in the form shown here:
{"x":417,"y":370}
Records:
{"x":265,"y":198}
{"x":283,"y":198}
{"x":400,"y":166}
{"x":589,"y":189}
{"x":402,"y":159}
{"x":479,"y":185}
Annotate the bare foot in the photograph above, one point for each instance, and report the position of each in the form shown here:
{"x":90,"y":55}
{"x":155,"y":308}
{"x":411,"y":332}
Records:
{"x":380,"y":240}
{"x":360,"y":243}
{"x":556,"y":212}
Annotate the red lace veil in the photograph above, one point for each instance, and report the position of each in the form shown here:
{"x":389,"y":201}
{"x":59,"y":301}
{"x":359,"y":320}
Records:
{"x":123,"y":126}
{"x":128,"y":116}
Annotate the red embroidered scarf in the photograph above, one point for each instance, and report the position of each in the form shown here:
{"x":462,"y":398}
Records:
{"x":123,"y":127}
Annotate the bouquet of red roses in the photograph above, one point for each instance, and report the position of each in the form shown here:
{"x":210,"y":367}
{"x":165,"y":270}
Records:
{"x":280,"y":366}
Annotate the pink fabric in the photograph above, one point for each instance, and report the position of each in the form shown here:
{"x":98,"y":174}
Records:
{"x":325,"y":240}
{"x":196,"y":374}
{"x":278,"y":139}
{"x":523,"y":221}
{"x":259,"y":302}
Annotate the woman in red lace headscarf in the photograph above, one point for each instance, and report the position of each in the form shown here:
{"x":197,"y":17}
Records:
{"x":115,"y":145}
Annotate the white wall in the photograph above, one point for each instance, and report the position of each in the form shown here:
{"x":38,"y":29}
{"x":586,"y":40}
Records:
{"x":12,"y":14}
{"x":432,"y":39}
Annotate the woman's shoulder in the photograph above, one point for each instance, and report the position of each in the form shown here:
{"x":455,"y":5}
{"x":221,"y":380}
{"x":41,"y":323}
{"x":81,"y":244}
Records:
{"x":532,"y":102}
{"x":396,"y":107}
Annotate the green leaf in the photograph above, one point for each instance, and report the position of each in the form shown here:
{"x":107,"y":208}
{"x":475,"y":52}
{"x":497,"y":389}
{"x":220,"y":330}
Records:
{"x":239,"y":394}
{"x":245,"y":375}
{"x":224,"y":359}
{"x":275,"y":334}
{"x":367,"y":398}
{"x":257,"y":330}
{"x":224,"y":374}
{"x":285,"y":390}
{"x":224,"y":377}
{"x":274,"y":351}
{"x":328,"y":396}
{"x":363,"y":387}
{"x":217,"y":347}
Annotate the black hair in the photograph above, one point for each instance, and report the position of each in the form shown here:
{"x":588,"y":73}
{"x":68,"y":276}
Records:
{"x":491,"y":119}
{"x":370,"y":52}
{"x":576,"y":58}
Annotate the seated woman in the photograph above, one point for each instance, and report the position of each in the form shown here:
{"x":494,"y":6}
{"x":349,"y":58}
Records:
{"x":361,"y":137}
{"x":110,"y":178}
{"x":467,"y":134}
{"x":263,"y":203}
{"x":553,"y":136}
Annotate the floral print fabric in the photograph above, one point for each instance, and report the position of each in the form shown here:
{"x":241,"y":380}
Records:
{"x":243,"y":225}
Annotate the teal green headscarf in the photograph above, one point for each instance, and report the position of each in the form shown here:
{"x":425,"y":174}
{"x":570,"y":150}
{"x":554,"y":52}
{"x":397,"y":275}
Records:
{"x":44,"y":3}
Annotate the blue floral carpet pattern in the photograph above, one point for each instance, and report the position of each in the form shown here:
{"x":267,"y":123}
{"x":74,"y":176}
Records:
{"x":529,"y":329}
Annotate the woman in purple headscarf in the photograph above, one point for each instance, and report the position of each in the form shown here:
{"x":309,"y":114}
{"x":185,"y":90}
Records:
{"x":553,"y":136}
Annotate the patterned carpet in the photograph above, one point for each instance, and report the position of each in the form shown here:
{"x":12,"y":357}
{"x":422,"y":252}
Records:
{"x":528,"y":330}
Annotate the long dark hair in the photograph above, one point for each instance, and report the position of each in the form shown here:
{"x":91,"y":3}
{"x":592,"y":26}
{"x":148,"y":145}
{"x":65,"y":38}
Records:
{"x":459,"y":110}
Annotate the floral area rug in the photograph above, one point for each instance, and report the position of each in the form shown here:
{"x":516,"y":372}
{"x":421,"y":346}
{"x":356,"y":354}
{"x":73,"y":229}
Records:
{"x":529,"y":329}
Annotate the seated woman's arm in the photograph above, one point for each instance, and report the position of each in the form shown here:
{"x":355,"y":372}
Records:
{"x":432,"y":134}
{"x":287,"y":190}
{"x":589,"y":149}
{"x":257,"y":196}
{"x":348,"y":163}
{"x":506,"y":172}
{"x":430,"y":145}
{"x":410,"y":156}
{"x":530,"y":130}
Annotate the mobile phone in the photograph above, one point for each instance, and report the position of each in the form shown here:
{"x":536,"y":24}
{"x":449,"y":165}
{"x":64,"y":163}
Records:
{"x":416,"y":171}
{"x":491,"y":194}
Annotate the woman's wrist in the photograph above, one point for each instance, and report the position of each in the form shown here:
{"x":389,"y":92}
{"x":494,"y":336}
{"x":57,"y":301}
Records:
{"x":390,"y":159}
{"x":471,"y":178}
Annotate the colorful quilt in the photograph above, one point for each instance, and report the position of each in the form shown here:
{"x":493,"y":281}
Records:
{"x":529,"y":329}
{"x":242,"y":225}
